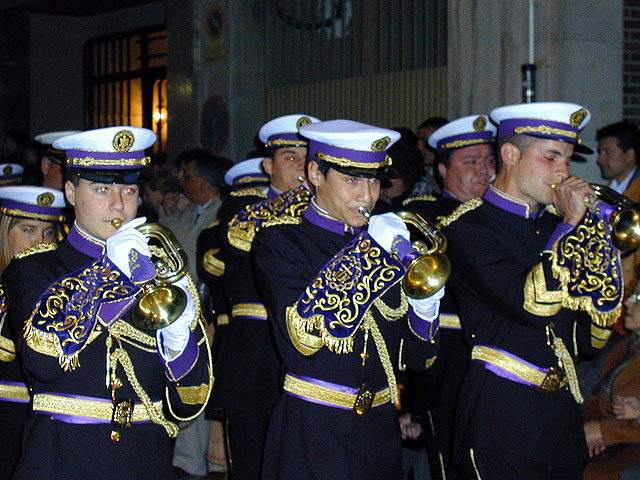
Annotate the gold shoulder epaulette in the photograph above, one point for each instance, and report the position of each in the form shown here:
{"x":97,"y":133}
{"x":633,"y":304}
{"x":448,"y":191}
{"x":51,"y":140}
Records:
{"x":37,"y":248}
{"x":467,"y":206}
{"x":286,"y":208}
{"x":421,"y":198}
{"x":246,"y":192}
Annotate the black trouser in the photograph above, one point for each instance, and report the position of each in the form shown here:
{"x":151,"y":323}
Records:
{"x":247,"y":435}
{"x":482,"y":464}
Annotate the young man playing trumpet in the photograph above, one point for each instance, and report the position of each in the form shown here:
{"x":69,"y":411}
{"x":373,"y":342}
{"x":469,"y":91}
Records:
{"x":99,"y":383}
{"x":537,"y":280}
{"x":342,"y":325}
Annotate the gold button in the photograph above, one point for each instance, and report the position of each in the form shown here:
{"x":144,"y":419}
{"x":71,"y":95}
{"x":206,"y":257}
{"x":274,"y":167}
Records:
{"x":473,"y":335}
{"x":115,"y":436}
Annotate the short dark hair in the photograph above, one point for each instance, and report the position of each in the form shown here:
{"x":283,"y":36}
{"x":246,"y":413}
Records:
{"x":627,"y":133}
{"x":433,"y":122}
{"x":521,"y":141}
{"x":408,"y":163}
{"x":206,"y":164}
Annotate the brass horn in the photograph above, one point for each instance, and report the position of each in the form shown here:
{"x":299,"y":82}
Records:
{"x":427,"y":272}
{"x":624,"y":221}
{"x":161,"y":303}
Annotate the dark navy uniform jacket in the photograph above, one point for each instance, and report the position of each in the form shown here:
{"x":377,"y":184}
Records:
{"x":313,"y":441}
{"x":69,"y":306}
{"x":519,"y":278}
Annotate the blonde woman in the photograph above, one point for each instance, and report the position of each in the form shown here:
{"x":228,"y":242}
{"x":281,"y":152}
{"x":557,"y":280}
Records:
{"x":29,"y":219}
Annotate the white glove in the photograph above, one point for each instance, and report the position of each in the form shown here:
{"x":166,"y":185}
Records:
{"x":127,"y":238}
{"x":427,"y":308}
{"x":174,"y":337}
{"x":384,"y":228}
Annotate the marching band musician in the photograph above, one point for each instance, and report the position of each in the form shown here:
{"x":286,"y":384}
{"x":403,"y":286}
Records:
{"x":537,"y":279}
{"x":465,"y":161}
{"x":247,"y":351}
{"x":99,"y":383}
{"x":30,"y":219}
{"x":331,"y":287}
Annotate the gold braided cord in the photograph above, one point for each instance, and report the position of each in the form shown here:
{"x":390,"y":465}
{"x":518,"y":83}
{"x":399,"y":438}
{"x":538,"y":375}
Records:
{"x":126,"y":332}
{"x":200,"y":323}
{"x":392,"y":314}
{"x":383,"y":353}
{"x":546,"y":130}
{"x":155,"y":412}
{"x":566,"y":363}
{"x":465,"y":207}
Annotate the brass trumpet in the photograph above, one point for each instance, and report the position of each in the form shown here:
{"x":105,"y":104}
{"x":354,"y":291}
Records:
{"x":624,"y":221}
{"x":161,"y":303}
{"x":428,"y":269}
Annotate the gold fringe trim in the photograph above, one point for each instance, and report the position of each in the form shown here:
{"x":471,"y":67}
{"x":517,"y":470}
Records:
{"x":465,"y":207}
{"x":602,"y":319}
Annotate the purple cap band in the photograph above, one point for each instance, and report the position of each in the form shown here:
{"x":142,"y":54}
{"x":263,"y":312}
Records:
{"x":8,"y":204}
{"x":465,"y":140}
{"x":354,"y":158}
{"x":537,"y":127}
{"x":71,"y":154}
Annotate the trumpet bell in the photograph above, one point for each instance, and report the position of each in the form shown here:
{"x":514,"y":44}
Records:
{"x":425,"y":275}
{"x":624,"y":221}
{"x":159,"y":307}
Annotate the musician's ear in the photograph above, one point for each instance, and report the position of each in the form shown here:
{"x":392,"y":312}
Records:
{"x":509,"y":154}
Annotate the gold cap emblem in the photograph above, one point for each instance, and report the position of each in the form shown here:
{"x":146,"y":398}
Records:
{"x":578,"y":117}
{"x":45,"y":199}
{"x":7,"y":170}
{"x":123,"y":141}
{"x":302,"y":121}
{"x":380,"y":145}
{"x":479,"y":123}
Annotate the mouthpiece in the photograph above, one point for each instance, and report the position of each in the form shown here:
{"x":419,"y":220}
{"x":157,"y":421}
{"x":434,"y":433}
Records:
{"x":301,"y":178}
{"x":364,"y":212}
{"x":553,"y":186}
{"x":115,"y":223}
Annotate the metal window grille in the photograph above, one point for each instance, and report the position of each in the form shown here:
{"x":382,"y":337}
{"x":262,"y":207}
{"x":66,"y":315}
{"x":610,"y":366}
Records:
{"x":317,"y":40}
{"x":126,"y":81}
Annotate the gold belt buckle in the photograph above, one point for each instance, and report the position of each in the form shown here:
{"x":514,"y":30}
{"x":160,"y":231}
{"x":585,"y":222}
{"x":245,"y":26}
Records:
{"x":552,"y":380}
{"x":364,"y":400}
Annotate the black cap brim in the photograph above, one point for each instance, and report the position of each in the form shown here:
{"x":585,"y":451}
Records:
{"x":123,"y":177}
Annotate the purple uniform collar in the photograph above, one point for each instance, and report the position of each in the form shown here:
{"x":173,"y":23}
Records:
{"x":508,"y":203}
{"x":85,"y":244}
{"x":322,"y":219}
